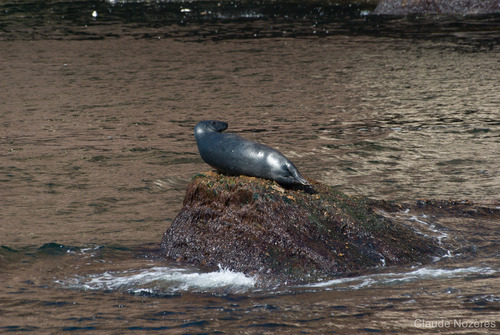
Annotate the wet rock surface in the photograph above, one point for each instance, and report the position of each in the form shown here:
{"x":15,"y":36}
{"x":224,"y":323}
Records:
{"x":443,"y":7}
{"x":286,"y":235}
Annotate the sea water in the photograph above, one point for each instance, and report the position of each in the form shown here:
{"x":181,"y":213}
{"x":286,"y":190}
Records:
{"x":98,"y":104}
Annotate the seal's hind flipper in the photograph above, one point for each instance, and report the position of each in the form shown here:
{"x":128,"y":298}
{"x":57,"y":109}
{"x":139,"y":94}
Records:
{"x":309,"y":189}
{"x":298,"y":179}
{"x":299,"y":187}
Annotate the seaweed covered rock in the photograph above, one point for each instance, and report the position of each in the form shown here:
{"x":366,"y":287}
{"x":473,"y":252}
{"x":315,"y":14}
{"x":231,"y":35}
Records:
{"x":442,"y":7}
{"x":254,"y":226}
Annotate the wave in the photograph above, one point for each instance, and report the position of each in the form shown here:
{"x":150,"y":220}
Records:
{"x":163,"y":280}
{"x":425,"y":273}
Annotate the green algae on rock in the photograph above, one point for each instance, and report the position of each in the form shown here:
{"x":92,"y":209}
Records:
{"x":282,"y":235}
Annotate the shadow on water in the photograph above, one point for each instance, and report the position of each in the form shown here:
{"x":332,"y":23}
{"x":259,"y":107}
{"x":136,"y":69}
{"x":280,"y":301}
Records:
{"x":223,"y":20}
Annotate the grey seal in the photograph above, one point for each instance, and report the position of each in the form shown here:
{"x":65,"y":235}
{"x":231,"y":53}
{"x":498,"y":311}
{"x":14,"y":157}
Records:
{"x":235,"y":155}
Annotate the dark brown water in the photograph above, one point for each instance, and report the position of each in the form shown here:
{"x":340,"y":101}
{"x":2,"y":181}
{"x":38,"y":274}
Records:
{"x":96,"y":150}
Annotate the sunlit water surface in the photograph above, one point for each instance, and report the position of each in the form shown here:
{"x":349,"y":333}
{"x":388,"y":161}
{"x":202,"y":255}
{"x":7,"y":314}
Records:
{"x":96,"y":145}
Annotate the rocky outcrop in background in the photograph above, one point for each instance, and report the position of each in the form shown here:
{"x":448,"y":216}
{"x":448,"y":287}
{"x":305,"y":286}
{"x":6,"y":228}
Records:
{"x":445,"y":7}
{"x":283,"y":236}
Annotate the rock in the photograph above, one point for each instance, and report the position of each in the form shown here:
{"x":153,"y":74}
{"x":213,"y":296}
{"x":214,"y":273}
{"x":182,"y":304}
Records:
{"x":284,"y":236}
{"x":444,"y":7}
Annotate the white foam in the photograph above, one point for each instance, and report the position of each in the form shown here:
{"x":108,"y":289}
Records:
{"x":166,"y":279}
{"x":439,"y":235}
{"x":355,"y":283}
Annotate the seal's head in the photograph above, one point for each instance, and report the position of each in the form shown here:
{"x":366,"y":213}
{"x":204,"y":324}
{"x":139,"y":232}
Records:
{"x":209,"y":126}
